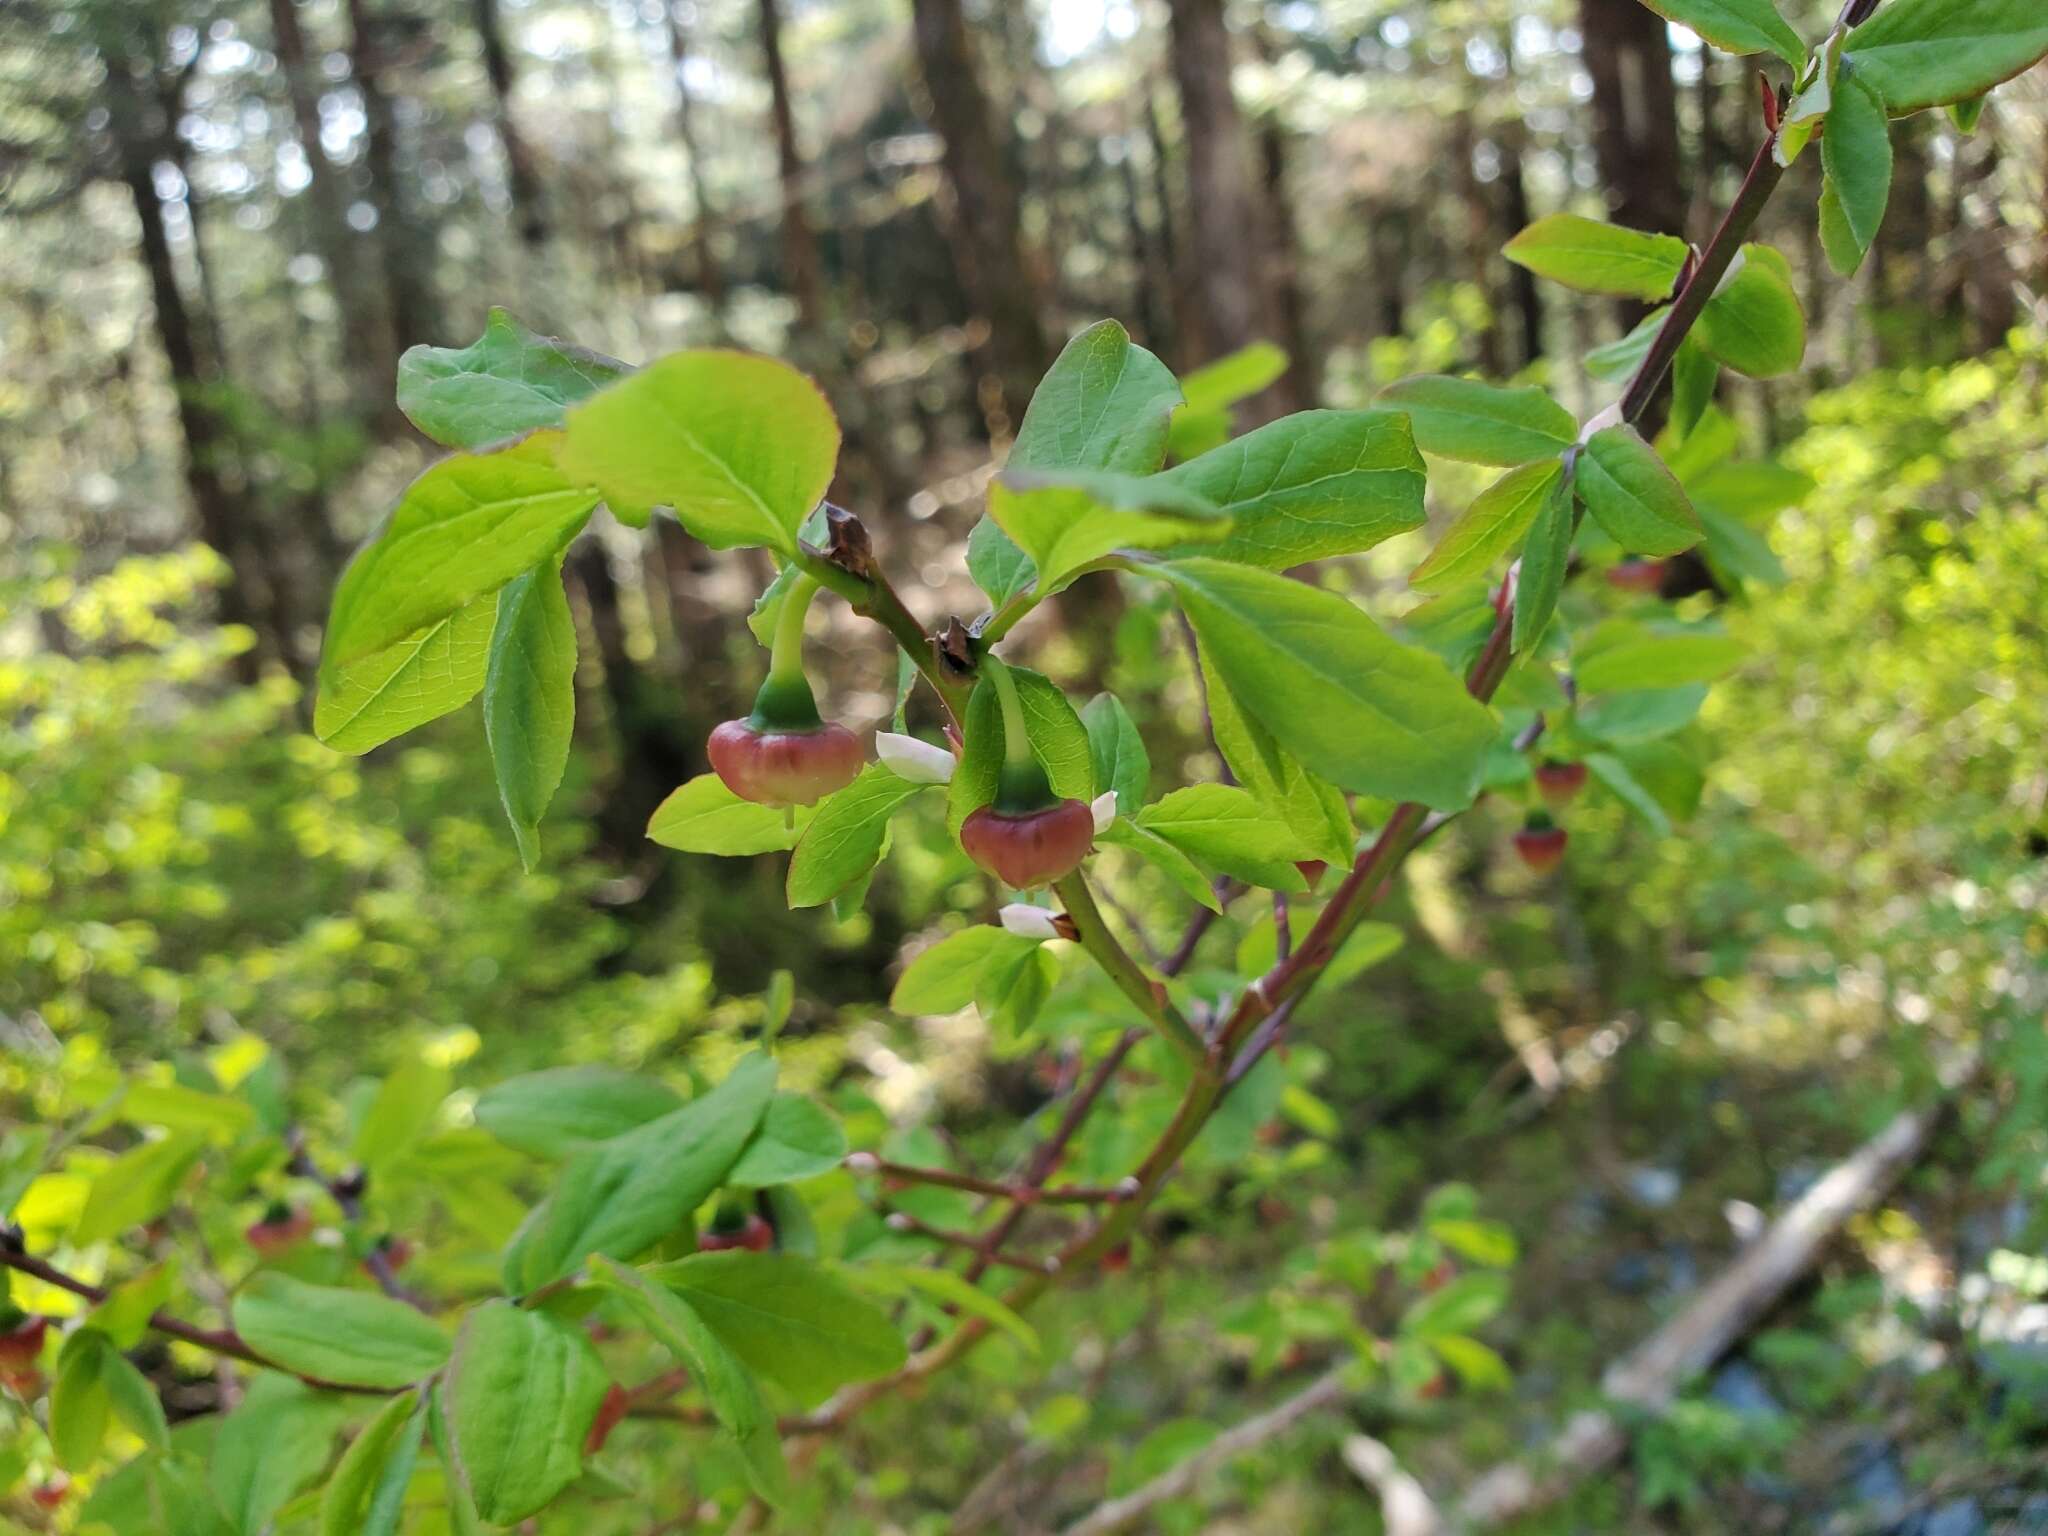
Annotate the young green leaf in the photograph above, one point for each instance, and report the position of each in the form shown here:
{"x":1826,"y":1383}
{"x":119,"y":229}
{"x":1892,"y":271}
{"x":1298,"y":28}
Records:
{"x":953,"y":1290}
{"x":530,"y":698}
{"x":1754,"y":323}
{"x":1488,"y":528}
{"x":1309,"y":486}
{"x":1482,"y":423}
{"x":523,"y":1390}
{"x":1057,"y":737}
{"x":788,"y":1319}
{"x":1856,"y":155}
{"x":137,"y":1186}
{"x":1622,"y":656}
{"x":1478,"y":1367}
{"x":271,"y":1447}
{"x":1738,"y":26}
{"x":1223,"y":826}
{"x":621,"y":1196}
{"x":1738,"y":552}
{"x":1356,"y":707}
{"x":462,"y":1517}
{"x":352,"y":1338}
{"x":703,"y":816}
{"x":465,"y":527}
{"x":1162,"y":856}
{"x":1633,"y":496}
{"x":1106,"y":403}
{"x":366,"y":1494}
{"x":508,"y":381}
{"x":1619,"y":358}
{"x":1596,"y":257}
{"x":743,"y":447}
{"x":1117,"y":751}
{"x":1456,"y":1308}
{"x":730,"y":1386}
{"x":1546,"y":554}
{"x":124,"y":1315}
{"x":1313,"y":809}
{"x":428,"y":674}
{"x":845,"y":838}
{"x":79,"y":1402}
{"x":1694,"y":374}
{"x":401,"y":1113}
{"x":796,"y":1139}
{"x":1063,"y":519}
{"x":944,"y":976}
{"x":552,"y":1113}
{"x":1204,"y":421}
{"x":134,"y":1399}
{"x":998,"y":566}
{"x":1926,"y":53}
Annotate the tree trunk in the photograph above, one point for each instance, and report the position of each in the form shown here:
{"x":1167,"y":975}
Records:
{"x":799,"y":245}
{"x":407,"y":260}
{"x":364,"y":339}
{"x":1523,"y":295}
{"x":521,"y":177}
{"x":218,"y":503}
{"x":1223,"y":203}
{"x":1635,"y":113}
{"x":986,"y":227}
{"x":1474,"y":234}
{"x":710,"y":275}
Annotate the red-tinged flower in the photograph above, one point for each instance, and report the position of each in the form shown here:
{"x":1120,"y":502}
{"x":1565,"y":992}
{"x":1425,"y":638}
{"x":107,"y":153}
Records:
{"x":1118,"y":1259}
{"x":1541,"y":843}
{"x":753,"y":1234}
{"x":609,"y":1413}
{"x":1646,"y":576}
{"x":48,"y":1495}
{"x":280,"y":1228}
{"x":1560,"y":783}
{"x":21,"y":1337}
{"x":784,"y":753}
{"x":396,"y":1251}
{"x":1031,"y":849}
{"x":1312,"y":870}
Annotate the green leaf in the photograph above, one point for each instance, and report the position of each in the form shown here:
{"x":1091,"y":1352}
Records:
{"x":1633,"y":496}
{"x":508,"y":381}
{"x":431,"y":672}
{"x":464,"y":528}
{"x":1313,"y":809}
{"x":523,"y":1390}
{"x":1926,"y":53}
{"x":1477,"y":1366}
{"x":1489,"y":528}
{"x":1482,"y":423}
{"x":178,"y":1108}
{"x":1620,"y":718}
{"x":1620,"y":656}
{"x":124,"y":1315}
{"x":1613,"y":772}
{"x":1106,"y":403}
{"x":1483,"y":1242}
{"x":530,"y":699}
{"x":1620,"y":358}
{"x":735,"y":1398}
{"x":1117,"y":751}
{"x":943,"y":977}
{"x":845,"y":838}
{"x":360,"y":1498}
{"x":1546,"y":555}
{"x":1057,"y":737}
{"x":1163,"y":856}
{"x":563,"y":1109}
{"x":1737,"y":550}
{"x":1596,"y":257}
{"x":742,"y":447}
{"x":788,"y":1319}
{"x":1356,"y":707}
{"x":1063,"y":519}
{"x":79,"y":1403}
{"x":1233,"y":377}
{"x":137,"y":1186}
{"x":1856,"y":155}
{"x":401,"y":1113}
{"x":1694,"y":373}
{"x":1309,"y":486}
{"x":1738,"y":26}
{"x":1966,"y":114}
{"x":623,"y":1195}
{"x":703,"y":816}
{"x":352,"y":1338}
{"x":1459,"y":1307}
{"x":134,"y":1399}
{"x":796,"y":1139}
{"x":950,"y":1289}
{"x":271,"y":1448}
{"x":1223,"y":826}
{"x":1754,"y":323}
{"x":463,"y":1519}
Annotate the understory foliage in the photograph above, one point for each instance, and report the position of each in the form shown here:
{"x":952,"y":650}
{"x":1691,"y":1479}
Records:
{"x":474,"y":1283}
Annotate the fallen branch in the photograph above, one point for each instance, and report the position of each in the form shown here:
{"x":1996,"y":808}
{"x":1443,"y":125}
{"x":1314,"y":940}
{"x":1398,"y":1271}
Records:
{"x":1326,"y":1391}
{"x":1651,"y":1374}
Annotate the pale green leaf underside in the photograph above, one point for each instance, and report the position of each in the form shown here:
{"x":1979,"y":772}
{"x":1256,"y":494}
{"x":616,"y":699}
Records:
{"x":508,"y":381}
{"x":430,"y":673}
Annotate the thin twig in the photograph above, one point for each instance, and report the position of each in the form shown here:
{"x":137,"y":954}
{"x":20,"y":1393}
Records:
{"x":903,"y":1221}
{"x":1025,"y":1193}
{"x":346,"y":1191}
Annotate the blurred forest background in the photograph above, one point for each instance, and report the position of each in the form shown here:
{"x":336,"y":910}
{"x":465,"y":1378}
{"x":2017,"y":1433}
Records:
{"x":224,"y":219}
